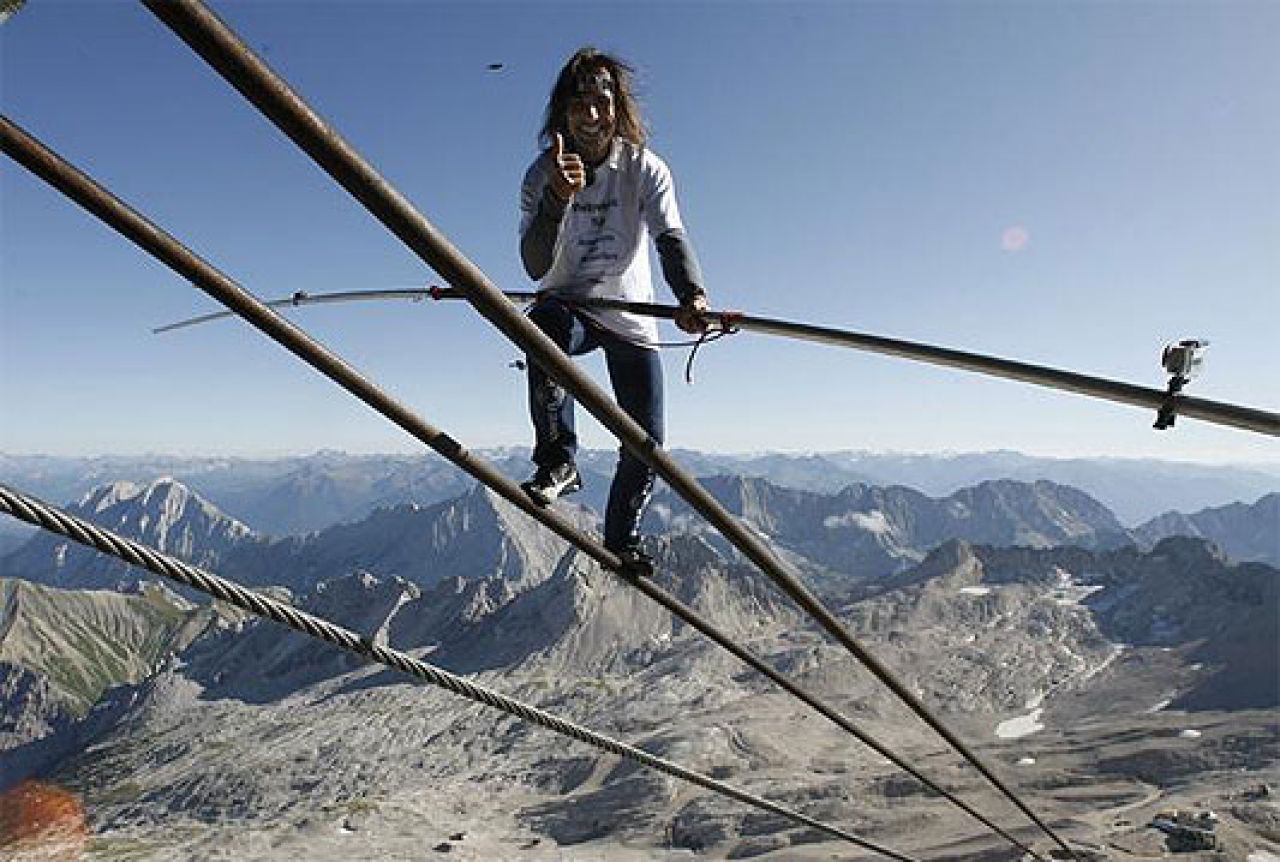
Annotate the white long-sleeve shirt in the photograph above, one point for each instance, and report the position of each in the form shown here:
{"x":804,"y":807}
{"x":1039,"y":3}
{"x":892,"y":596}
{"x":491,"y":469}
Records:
{"x":600,"y":248}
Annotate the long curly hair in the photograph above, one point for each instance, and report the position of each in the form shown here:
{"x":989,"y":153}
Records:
{"x":581,"y":68}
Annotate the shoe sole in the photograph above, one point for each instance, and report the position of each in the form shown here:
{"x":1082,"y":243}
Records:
{"x":546,"y":500}
{"x":636,"y":568}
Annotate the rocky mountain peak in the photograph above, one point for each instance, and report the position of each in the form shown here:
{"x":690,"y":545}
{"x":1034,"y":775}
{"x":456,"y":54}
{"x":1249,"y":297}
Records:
{"x":956,"y":560}
{"x":1038,"y":514}
{"x":163,"y":514}
{"x":363,"y":587}
{"x":1245,"y":531}
{"x":105,"y":496}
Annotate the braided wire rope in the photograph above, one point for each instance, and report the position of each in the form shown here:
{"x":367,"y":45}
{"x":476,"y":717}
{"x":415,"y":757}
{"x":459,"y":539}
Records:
{"x":41,"y":514}
{"x":219,"y":46}
{"x":83,"y":190}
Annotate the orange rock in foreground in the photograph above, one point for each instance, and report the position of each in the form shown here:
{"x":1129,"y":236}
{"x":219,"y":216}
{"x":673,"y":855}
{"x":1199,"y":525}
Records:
{"x":40,"y":821}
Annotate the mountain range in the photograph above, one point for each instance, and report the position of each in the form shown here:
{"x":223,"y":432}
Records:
{"x":859,"y":532}
{"x":299,"y":494}
{"x":1246,"y":532}
{"x":865,"y":531}
{"x":1105,"y":671}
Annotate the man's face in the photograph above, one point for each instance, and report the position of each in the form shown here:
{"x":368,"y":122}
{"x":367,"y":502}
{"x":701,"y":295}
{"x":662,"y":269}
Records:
{"x":592,"y":119}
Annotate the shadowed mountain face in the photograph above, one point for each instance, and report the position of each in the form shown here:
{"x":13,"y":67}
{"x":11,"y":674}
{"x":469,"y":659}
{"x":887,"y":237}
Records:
{"x":577,"y":620}
{"x":1248,"y":532}
{"x":1185,"y":594}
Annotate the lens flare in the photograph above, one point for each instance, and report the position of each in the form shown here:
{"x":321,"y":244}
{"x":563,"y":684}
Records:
{"x":1014,"y":238}
{"x":44,"y":822}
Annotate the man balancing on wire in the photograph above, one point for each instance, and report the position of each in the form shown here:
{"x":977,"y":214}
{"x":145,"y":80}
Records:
{"x":587,"y":204}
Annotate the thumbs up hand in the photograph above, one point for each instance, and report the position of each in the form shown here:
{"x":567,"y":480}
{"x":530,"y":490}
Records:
{"x":568,"y":173}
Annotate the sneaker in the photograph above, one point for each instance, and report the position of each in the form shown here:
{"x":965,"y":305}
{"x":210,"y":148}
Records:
{"x":635,"y":562}
{"x":550,"y":483}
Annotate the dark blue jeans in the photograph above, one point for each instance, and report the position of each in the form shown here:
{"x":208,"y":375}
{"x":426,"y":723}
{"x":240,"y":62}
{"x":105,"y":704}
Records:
{"x":636,"y":374}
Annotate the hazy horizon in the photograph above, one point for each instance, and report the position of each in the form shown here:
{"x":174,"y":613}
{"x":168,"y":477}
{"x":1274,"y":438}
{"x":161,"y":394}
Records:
{"x":1262,"y":466}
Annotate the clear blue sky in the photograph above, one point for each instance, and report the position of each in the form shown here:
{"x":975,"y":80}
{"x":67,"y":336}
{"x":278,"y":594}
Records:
{"x":1066,"y":183}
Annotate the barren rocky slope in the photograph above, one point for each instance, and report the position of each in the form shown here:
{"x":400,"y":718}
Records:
{"x":1101,"y":682}
{"x":254,"y":743}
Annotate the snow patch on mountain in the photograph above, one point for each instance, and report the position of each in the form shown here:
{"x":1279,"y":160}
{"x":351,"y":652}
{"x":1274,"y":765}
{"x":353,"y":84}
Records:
{"x":1022,"y":725}
{"x":874,"y":521}
{"x":1071,"y":591}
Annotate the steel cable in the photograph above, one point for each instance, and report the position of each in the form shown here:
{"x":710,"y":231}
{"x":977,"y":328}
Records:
{"x":84,"y":191}
{"x":222,"y":49}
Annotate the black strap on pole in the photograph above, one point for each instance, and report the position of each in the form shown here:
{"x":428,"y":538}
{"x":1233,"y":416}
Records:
{"x":210,"y":38}
{"x":46,"y":164}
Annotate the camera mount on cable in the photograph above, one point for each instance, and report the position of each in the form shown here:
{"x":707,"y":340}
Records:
{"x":1182,"y":360}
